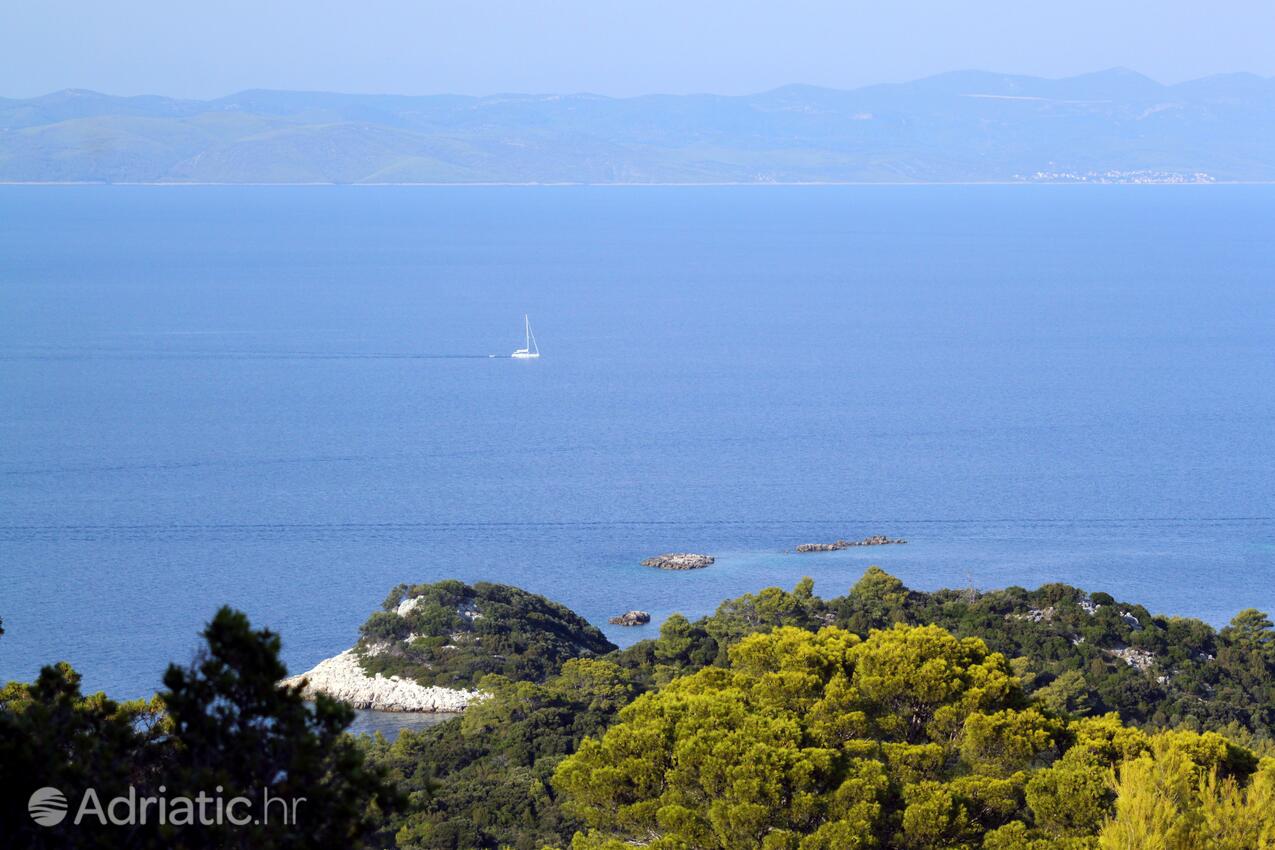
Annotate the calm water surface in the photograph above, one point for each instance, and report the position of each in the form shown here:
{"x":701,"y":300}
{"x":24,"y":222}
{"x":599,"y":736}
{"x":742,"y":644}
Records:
{"x":281,"y":399}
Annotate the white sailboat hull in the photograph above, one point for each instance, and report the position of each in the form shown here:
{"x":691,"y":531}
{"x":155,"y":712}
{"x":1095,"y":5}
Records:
{"x":530,"y":351}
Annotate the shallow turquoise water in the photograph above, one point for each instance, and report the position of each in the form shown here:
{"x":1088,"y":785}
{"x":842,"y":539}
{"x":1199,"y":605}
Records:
{"x":281,"y":399}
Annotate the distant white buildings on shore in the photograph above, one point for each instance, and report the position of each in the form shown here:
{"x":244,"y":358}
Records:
{"x":1114,"y":176}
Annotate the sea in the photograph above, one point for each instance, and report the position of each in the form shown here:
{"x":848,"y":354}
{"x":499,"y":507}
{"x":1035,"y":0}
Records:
{"x":291,"y":399}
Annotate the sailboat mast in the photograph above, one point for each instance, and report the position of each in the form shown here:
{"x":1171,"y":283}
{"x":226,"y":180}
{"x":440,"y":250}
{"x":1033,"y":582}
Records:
{"x":529,"y":351}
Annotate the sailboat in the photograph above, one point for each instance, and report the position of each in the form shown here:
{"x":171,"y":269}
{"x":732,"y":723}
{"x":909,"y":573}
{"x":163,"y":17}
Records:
{"x":530,"y":351}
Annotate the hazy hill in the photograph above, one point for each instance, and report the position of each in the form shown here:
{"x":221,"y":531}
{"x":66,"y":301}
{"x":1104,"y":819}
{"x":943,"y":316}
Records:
{"x":1112,"y":125}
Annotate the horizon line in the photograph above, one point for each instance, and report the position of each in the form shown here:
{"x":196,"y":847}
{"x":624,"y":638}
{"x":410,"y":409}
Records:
{"x":1113,"y":70}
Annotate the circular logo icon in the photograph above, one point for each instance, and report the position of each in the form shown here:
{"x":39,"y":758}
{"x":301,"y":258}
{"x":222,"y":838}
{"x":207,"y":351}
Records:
{"x":47,"y":806}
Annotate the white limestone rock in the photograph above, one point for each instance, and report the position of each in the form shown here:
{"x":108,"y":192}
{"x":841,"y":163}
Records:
{"x":407,"y":605}
{"x":1139,"y":659}
{"x":1034,"y":615}
{"x":341,"y":677}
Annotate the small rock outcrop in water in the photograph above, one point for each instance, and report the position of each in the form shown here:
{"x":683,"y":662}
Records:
{"x":679,"y":561}
{"x":631,"y":618}
{"x":874,"y":540}
{"x":343,"y":678}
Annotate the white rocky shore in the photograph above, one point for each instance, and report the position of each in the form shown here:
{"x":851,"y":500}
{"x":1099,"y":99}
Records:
{"x":342,"y":678}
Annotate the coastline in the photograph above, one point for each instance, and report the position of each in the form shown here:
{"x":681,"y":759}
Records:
{"x":341,"y":677}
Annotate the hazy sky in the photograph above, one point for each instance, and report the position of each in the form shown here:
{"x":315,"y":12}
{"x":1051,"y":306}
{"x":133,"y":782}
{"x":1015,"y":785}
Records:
{"x":613,"y":47}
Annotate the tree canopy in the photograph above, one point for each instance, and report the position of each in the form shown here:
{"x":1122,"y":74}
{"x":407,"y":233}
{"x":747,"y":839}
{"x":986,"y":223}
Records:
{"x":223,"y":725}
{"x":911,"y":738}
{"x":886,"y":718}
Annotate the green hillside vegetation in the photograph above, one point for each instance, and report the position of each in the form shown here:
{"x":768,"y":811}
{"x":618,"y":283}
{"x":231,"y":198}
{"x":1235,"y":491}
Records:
{"x":911,"y":738}
{"x":452,"y":634}
{"x":484,"y":780}
{"x":1089,"y":654}
{"x":487,"y":780}
{"x":1071,"y":649}
{"x":886,"y":718}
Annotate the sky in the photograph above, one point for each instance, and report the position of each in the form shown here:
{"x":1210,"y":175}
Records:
{"x":612,"y":47}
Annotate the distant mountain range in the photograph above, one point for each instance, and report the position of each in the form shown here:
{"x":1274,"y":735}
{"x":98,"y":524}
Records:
{"x":1112,"y":126}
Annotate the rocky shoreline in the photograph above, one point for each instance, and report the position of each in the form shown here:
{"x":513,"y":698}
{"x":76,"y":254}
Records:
{"x":874,"y":540}
{"x":679,"y":561}
{"x":342,"y":677}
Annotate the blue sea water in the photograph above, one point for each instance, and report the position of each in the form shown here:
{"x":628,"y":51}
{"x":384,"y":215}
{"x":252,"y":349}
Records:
{"x":281,"y":399}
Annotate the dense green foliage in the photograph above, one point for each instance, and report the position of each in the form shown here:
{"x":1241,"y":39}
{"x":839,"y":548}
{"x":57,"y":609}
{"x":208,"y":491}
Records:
{"x":1170,"y":799}
{"x":451,"y":634}
{"x":910,"y":739}
{"x":1195,"y":676}
{"x":222,"y":725}
{"x":1070,"y":649}
{"x":886,"y":718}
{"x":486,"y":784}
{"x":483,"y":780}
